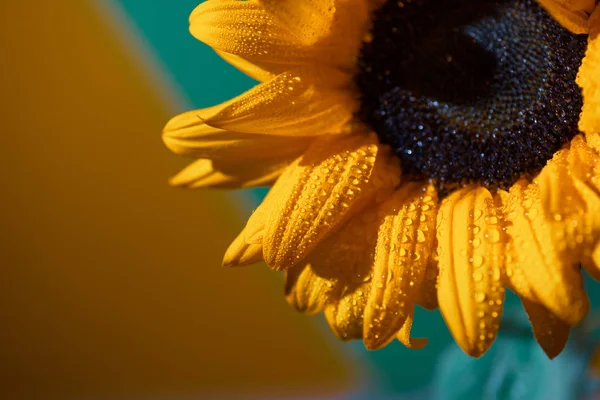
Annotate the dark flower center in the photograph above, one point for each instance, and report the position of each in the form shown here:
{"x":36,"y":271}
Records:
{"x":470,"y":91}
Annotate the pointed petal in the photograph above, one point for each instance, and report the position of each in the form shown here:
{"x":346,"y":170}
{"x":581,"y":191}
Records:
{"x":302,"y":102}
{"x":536,"y":268}
{"x":550,"y":332}
{"x":471,"y":262}
{"x":336,"y":178}
{"x":589,"y":79}
{"x":404,"y":334}
{"x":404,"y":246}
{"x":241,"y":253}
{"x":188,"y":135}
{"x":215,"y":174}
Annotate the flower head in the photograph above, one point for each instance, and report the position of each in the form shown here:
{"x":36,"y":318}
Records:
{"x":421,"y":152}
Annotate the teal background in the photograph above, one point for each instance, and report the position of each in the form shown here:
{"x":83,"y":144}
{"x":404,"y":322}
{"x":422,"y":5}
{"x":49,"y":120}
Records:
{"x":515,"y":368}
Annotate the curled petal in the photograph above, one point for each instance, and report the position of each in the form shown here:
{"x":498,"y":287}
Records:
{"x":537,"y":269}
{"x":404,"y":246}
{"x":303,"y":102}
{"x":337,"y":177}
{"x":471,"y":262}
{"x":404,"y":334}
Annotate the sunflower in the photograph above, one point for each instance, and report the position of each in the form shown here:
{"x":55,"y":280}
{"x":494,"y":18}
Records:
{"x":420,"y":152}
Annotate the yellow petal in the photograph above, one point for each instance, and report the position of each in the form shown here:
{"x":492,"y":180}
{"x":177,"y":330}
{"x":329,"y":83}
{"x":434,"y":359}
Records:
{"x":270,"y":33}
{"x":471,"y":262}
{"x":570,"y":200}
{"x":538,"y":271}
{"x":550,"y":332}
{"x":302,"y":102}
{"x":305,"y":290}
{"x":404,"y":246}
{"x":572,"y":14}
{"x":241,"y":253}
{"x":253,"y":232}
{"x":187,"y":135}
{"x":345,"y":318}
{"x":217,"y":174}
{"x":404,"y":334}
{"x":336,"y":178}
{"x":308,"y":20}
{"x":246,"y":29}
{"x":345,"y":260}
{"x":589,"y":79}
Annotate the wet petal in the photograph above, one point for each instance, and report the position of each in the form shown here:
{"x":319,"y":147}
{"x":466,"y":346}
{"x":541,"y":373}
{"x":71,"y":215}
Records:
{"x":188,"y":135}
{"x":550,"y":332}
{"x":337,"y":177}
{"x":589,"y":79}
{"x":571,"y":201}
{"x":404,"y":246}
{"x":471,"y":262}
{"x":246,"y":29}
{"x":269,"y":33}
{"x":537,"y":269}
{"x":303,"y":102}
{"x":345,"y":261}
{"x":308,"y":20}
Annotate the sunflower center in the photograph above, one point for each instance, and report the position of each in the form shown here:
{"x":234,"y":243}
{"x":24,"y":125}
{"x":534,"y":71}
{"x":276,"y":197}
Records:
{"x":470,"y":91}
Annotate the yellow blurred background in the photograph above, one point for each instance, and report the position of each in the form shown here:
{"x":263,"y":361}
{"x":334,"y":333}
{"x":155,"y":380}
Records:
{"x":111,"y":282}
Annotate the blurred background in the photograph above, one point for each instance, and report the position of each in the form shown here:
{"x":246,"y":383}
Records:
{"x":111,"y":285}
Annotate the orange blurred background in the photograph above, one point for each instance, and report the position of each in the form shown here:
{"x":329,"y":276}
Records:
{"x":111,"y":282}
